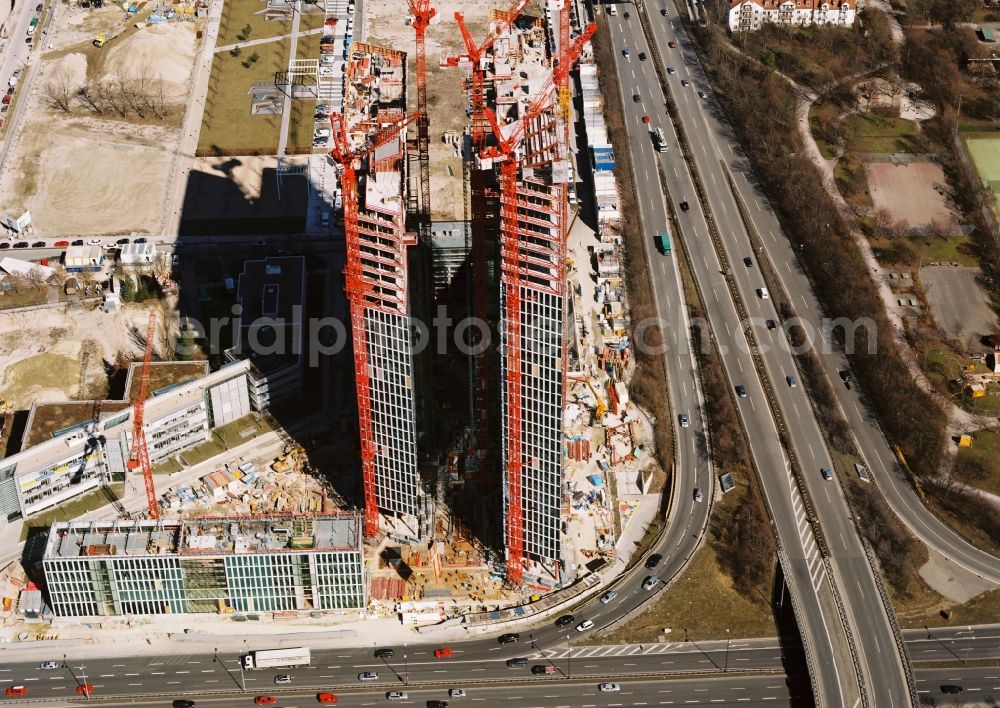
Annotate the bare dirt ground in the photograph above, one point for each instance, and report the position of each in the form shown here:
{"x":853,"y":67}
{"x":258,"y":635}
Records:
{"x":82,"y":173}
{"x":959,"y":304}
{"x":910,"y":193}
{"x":446,"y":101}
{"x":47,"y":356}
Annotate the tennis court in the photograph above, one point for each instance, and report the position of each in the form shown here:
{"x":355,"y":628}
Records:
{"x":984,"y":148}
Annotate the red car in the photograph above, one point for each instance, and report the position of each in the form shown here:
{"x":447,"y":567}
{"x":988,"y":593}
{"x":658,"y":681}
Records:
{"x":85,"y":689}
{"x":326,"y":698}
{"x":672,"y":44}
{"x":60,"y":244}
{"x":13,"y":691}
{"x":265,"y":700}
{"x":645,"y":119}
{"x":330,"y":21}
{"x":442,"y":653}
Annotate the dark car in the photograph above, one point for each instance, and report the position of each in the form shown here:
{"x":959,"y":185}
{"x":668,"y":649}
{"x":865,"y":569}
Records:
{"x":564,"y":621}
{"x":182,"y":703}
{"x":663,"y":11}
{"x":748,"y":262}
{"x":771,"y":324}
{"x":636,"y":97}
{"x":141,"y":239}
{"x":508,"y":638}
{"x":38,"y":244}
{"x":384,"y":653}
{"x":122,"y":241}
{"x":28,"y":40}
{"x":21,"y":244}
{"x":741,"y":391}
{"x":653,"y":560}
{"x":78,"y":242}
{"x":845,"y":376}
{"x":952,"y":689}
{"x":642,"y":56}
{"x":38,"y":8}
{"x":518,"y":662}
{"x":4,"y":245}
{"x":685,"y":207}
{"x":434,"y":703}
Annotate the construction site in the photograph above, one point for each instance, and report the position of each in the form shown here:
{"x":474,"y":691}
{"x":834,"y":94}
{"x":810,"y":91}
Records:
{"x":513,"y":461}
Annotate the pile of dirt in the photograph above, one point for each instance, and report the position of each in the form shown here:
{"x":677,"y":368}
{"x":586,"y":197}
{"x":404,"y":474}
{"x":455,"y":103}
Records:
{"x":165,"y":51}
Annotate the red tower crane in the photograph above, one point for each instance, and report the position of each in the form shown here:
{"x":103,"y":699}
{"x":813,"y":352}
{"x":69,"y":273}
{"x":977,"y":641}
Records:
{"x":358,"y":288}
{"x":505,"y":150}
{"x":422,"y":13}
{"x":139,"y":454}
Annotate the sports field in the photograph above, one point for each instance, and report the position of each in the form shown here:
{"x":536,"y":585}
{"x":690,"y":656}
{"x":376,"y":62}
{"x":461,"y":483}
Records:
{"x":985,"y":151}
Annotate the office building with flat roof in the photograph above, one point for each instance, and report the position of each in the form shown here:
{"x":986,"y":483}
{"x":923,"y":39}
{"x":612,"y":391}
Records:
{"x":276,"y":563}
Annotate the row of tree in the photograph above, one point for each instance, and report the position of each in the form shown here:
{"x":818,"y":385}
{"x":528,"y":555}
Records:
{"x":124,"y":95}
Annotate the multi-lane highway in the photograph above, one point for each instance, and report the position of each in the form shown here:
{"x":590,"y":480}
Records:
{"x":684,"y":670}
{"x":824,"y":633}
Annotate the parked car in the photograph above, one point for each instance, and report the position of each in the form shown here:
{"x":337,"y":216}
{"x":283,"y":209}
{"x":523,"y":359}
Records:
{"x":564,"y":621}
{"x":508,"y":638}
{"x":141,"y":239}
{"x":38,"y":244}
{"x":384,"y":653}
{"x":21,"y":244}
{"x":608,"y":596}
{"x":653,"y":560}
{"x":78,"y":242}
{"x":122,"y":241}
{"x":4,"y":245}
{"x":60,"y":244}
{"x":650,"y":582}
{"x":95,"y":242}
{"x":585,"y":625}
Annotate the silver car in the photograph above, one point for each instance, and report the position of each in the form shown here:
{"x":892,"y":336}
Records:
{"x":608,"y":596}
{"x":48,"y":665}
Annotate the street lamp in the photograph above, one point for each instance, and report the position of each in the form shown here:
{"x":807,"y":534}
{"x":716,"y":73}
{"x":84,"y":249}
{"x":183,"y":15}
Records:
{"x":726,"y":668}
{"x":406,"y":668}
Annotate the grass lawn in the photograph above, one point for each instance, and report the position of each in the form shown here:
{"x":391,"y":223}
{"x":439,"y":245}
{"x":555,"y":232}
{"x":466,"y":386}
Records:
{"x":851,"y":181}
{"x":227,"y":127}
{"x":703,"y":600}
{"x":982,"y":609}
{"x":237,"y":14}
{"x":73,"y":508}
{"x":986,"y":449}
{"x":947,"y":250}
{"x":874,"y":133}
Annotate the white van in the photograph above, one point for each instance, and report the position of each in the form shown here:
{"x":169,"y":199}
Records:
{"x":613,"y":10}
{"x":763,"y":293}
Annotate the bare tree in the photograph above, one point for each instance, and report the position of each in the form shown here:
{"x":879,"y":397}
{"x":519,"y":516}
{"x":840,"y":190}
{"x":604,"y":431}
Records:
{"x":59,"y":92}
{"x":37,"y":278}
{"x":883,"y":222}
{"x":17,"y":282}
{"x":90,"y":95}
{"x":937,"y":228}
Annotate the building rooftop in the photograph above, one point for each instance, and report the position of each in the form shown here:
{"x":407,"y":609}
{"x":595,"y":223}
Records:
{"x":207,"y":536}
{"x":47,"y":420}
{"x":163,"y":375}
{"x":272,"y":294}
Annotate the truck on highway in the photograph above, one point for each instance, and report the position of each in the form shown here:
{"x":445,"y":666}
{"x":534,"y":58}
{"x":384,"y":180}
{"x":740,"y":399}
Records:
{"x":659,"y":140}
{"x":276,"y":658}
{"x":663,"y":243}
